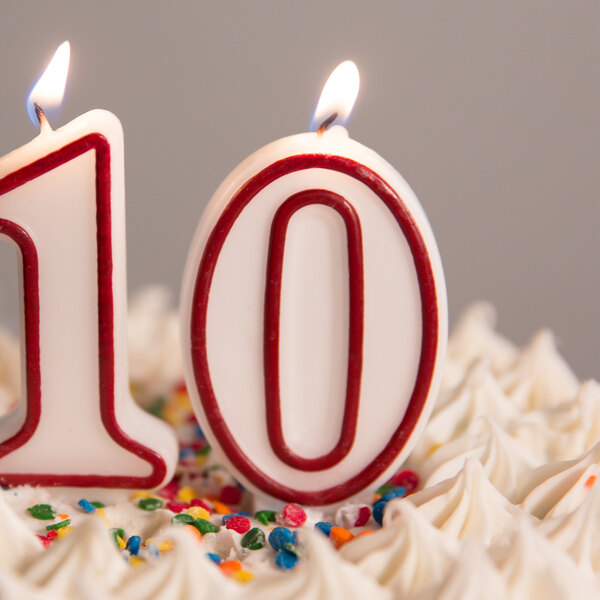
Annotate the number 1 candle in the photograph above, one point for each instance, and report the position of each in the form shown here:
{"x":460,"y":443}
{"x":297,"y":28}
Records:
{"x":62,"y":203}
{"x":314,"y":314}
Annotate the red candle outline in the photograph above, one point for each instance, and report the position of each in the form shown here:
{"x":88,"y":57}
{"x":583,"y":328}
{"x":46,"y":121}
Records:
{"x":275,"y":259}
{"x":430,"y":328}
{"x":99,"y":144}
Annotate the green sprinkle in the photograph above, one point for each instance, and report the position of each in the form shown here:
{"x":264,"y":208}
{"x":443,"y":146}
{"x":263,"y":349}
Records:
{"x":42,"y":511}
{"x":385,"y":488}
{"x":182,"y":519}
{"x":97,"y":504}
{"x":58,"y":525}
{"x":204,"y":526}
{"x":150,"y":503}
{"x":265,"y":516}
{"x":157,"y":407}
{"x":204,"y":450}
{"x":116,"y":533}
{"x":254,"y":539}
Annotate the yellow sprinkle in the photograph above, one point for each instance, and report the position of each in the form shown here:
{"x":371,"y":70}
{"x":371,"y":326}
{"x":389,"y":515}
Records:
{"x":120,"y":542}
{"x":63,"y":532}
{"x":140,"y":495}
{"x":200,"y":460}
{"x":136,"y":561}
{"x":148,"y":541}
{"x":243,"y":576}
{"x":100,"y":512}
{"x":433,"y":449}
{"x":198,"y":512}
{"x":186,"y":494}
{"x":165,"y":546}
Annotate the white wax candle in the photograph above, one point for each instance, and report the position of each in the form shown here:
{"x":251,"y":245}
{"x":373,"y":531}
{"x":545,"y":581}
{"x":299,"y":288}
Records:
{"x":314,"y":319}
{"x":62,"y":202}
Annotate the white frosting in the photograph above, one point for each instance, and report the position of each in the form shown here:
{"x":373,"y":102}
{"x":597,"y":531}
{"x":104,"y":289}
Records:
{"x":408,"y":555}
{"x":467,"y":506}
{"x":474,"y":337}
{"x":19,"y":545}
{"x":505,"y":463}
{"x":473,"y":577}
{"x":455,"y":415}
{"x":155,"y":362}
{"x":558,"y":488}
{"x":85,"y":564}
{"x":578,"y":532}
{"x":322,"y":573}
{"x":540,"y":378}
{"x":534,"y":568}
{"x":184,"y":573}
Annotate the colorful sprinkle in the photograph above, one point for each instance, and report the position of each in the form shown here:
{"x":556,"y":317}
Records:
{"x":198,"y":512}
{"x":64,"y":532}
{"x":86,"y":506}
{"x":176,"y":507}
{"x":339,"y":536}
{"x":591,"y":480}
{"x":97,"y":504}
{"x":229,"y":567}
{"x":169,"y":492}
{"x":150,"y":503}
{"x":230,"y":494}
{"x":285,"y":560}
{"x":43,"y":512}
{"x":407,"y":479}
{"x":214,"y":557}
{"x":182,"y":519}
{"x":293,"y":515}
{"x":254,"y":539}
{"x":220,"y":508}
{"x":59,"y":525}
{"x":133,"y":544}
{"x":238,"y":523}
{"x":204,"y":526}
{"x":324,"y":526}
{"x":282,"y":538}
{"x":265,"y":516}
{"x":202,"y":504}
{"x":186,"y":494}
{"x":243,"y":576}
{"x":353,"y":515}
{"x":379,"y":506}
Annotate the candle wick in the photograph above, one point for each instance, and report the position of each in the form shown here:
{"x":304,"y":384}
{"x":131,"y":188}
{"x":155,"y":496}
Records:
{"x":326,"y":124}
{"x":41,"y":117}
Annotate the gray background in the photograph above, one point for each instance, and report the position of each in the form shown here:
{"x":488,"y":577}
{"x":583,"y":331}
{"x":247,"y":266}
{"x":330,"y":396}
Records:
{"x":489,"y":109}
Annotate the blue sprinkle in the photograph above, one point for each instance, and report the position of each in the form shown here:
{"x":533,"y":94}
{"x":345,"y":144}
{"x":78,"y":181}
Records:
{"x":133,"y":544}
{"x":285,"y":560}
{"x":396,"y":493}
{"x":185,"y":453}
{"x":282,"y":537}
{"x":88,"y":507}
{"x":199,"y":432}
{"x":238,"y":514}
{"x":324,"y":526}
{"x":214,"y":557}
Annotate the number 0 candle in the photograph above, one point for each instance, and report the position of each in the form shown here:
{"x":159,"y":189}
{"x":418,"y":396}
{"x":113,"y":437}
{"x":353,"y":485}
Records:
{"x":62,"y":204}
{"x":314,"y":314}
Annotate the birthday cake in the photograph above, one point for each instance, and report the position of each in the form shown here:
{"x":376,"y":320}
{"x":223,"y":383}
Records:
{"x":498,"y":500}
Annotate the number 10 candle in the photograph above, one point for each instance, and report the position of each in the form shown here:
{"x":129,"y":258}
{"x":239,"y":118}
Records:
{"x":314,"y":314}
{"x":62,"y":204}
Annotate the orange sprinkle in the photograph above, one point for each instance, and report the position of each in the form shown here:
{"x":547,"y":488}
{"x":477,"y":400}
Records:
{"x":339,"y":536}
{"x":376,"y":497}
{"x":229,"y":567}
{"x":220,"y":508}
{"x":590,"y":482}
{"x":193,"y":531}
{"x":63,"y":516}
{"x":365,"y":532}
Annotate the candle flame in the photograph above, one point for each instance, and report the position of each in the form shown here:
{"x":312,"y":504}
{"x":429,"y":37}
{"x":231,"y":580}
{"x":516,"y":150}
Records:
{"x":49,"y":90}
{"x":337,"y":98}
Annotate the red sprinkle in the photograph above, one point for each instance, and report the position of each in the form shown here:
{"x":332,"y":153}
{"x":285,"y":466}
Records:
{"x":407,"y":479}
{"x":230,"y":494}
{"x":51,"y":534}
{"x":293,"y":515}
{"x":177,"y":507}
{"x":364,"y":514}
{"x":170,"y":490}
{"x":45,"y":541}
{"x":238,"y":523}
{"x":198,"y":502}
